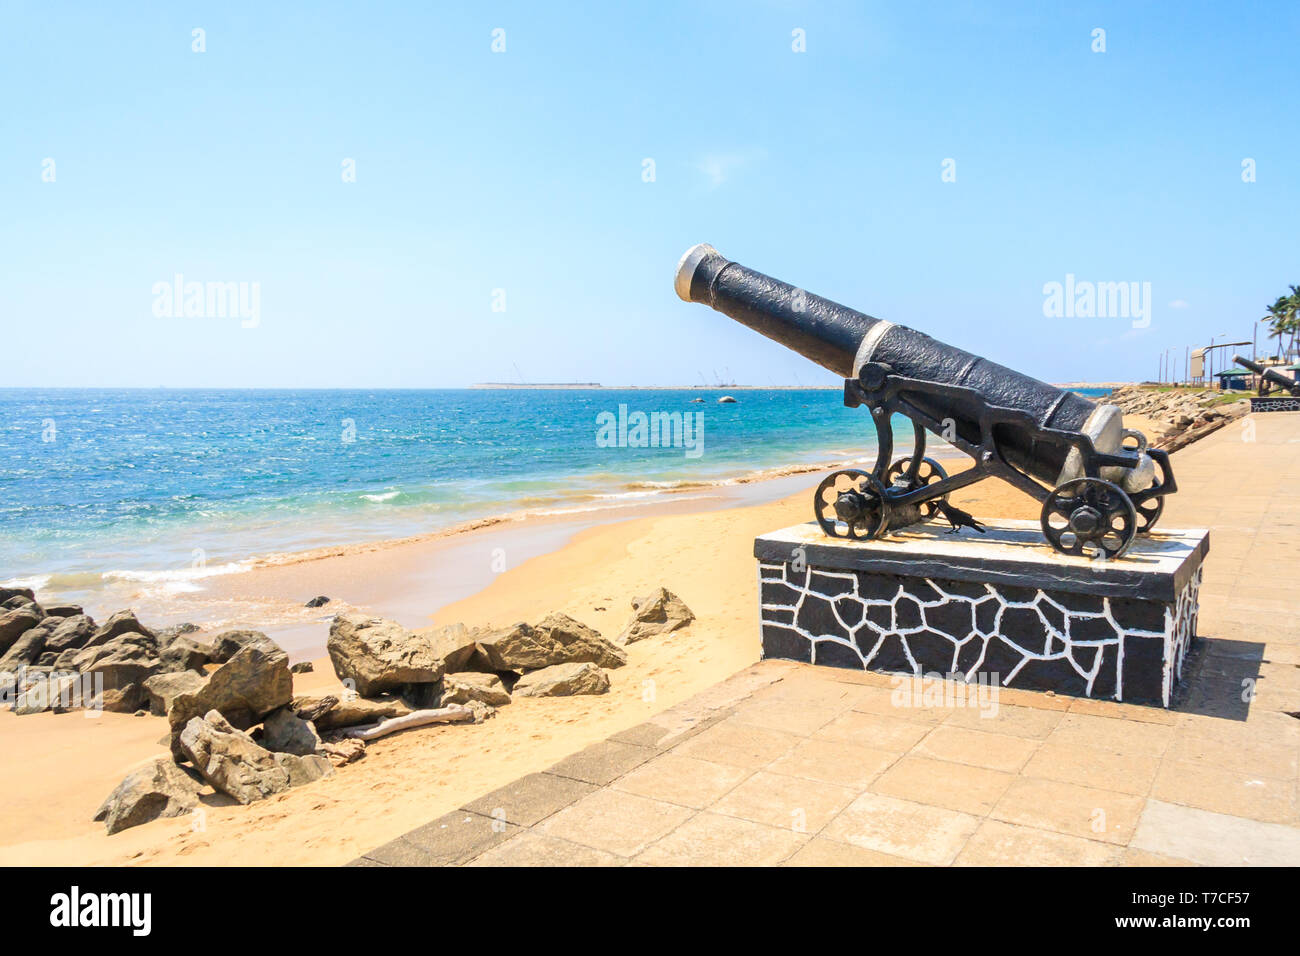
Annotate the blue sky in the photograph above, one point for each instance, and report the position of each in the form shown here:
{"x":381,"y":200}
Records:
{"x":523,"y":171}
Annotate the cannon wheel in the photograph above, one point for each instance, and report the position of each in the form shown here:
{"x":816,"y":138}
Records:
{"x":1148,"y":513}
{"x":1089,"y":517}
{"x":927,"y":473}
{"x":851,"y":504}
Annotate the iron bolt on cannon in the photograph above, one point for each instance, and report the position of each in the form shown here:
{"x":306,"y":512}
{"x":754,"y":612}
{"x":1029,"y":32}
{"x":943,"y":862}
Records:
{"x":1097,"y":480}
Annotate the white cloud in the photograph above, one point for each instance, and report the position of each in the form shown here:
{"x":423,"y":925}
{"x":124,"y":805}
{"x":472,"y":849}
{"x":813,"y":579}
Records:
{"x":718,"y":167}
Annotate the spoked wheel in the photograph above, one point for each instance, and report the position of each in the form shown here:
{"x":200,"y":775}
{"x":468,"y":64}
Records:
{"x":1089,"y":517}
{"x":1148,"y":513}
{"x":851,"y":504}
{"x":928,"y":473}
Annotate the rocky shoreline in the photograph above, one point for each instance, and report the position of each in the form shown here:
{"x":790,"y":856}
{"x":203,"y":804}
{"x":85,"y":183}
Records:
{"x":235,"y":725}
{"x":1184,"y":415}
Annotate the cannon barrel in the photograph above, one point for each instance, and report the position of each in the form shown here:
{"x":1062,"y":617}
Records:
{"x":842,"y":340}
{"x":1269,"y":375}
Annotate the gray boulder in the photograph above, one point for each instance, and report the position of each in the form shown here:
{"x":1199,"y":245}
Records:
{"x":123,"y":622}
{"x":457,"y":647}
{"x":168,"y":634}
{"x":302,"y":667}
{"x":462,"y":688}
{"x":283,"y":731}
{"x":227,"y":644}
{"x":517,"y":648}
{"x":558,"y":639}
{"x":66,"y":659}
{"x":7,"y":593}
{"x":63,"y":610}
{"x":42,"y":692}
{"x":70,"y":632}
{"x":657,"y":613}
{"x":563,"y":680}
{"x":344,"y":751}
{"x":18,"y":600}
{"x":243,"y":690}
{"x":26,"y":650}
{"x":14,"y":624}
{"x":232,"y":761}
{"x":379,"y":655}
{"x":576,"y":643}
{"x":161,"y":789}
{"x":164,"y":688}
{"x":125,"y":662}
{"x":313,"y":708}
{"x":184,"y":654}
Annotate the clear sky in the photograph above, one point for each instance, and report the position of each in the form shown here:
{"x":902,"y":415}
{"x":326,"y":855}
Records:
{"x":524,"y":171}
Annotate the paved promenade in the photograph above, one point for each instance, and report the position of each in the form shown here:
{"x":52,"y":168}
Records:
{"x":810,"y":766}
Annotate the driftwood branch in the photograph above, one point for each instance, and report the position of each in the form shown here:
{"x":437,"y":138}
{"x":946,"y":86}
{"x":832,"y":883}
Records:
{"x":416,"y":718}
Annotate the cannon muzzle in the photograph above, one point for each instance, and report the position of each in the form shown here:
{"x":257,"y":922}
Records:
{"x":1269,"y":375}
{"x":843,"y":340}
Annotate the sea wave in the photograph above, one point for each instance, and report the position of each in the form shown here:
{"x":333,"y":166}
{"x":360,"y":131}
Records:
{"x":386,"y":496}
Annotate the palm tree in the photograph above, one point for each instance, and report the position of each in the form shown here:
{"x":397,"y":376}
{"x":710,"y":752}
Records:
{"x":1293,"y":316}
{"x":1279,"y":316}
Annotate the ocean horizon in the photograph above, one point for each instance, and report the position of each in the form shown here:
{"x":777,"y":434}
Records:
{"x":173,"y":485}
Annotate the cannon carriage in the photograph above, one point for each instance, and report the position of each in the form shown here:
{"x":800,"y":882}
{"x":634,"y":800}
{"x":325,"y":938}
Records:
{"x":1099,"y":484}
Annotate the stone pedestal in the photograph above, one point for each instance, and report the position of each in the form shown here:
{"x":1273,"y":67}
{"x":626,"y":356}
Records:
{"x":1274,"y":403}
{"x":1002,"y":606}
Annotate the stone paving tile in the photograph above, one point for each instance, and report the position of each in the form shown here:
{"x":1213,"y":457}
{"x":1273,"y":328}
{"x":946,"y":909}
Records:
{"x":1215,"y":839}
{"x":686,"y":781}
{"x":1093,"y":767}
{"x":1002,"y":844}
{"x":874,"y":731}
{"x":1034,"y":699}
{"x":1118,"y":711}
{"x":602,"y":762}
{"x":785,"y":802}
{"x":1070,"y":809}
{"x":1207,"y":787}
{"x":741,"y":745}
{"x":989,"y":750}
{"x":710,"y":839}
{"x":453,"y":838}
{"x":1251,"y":756}
{"x":1013,"y":720}
{"x":830,"y":761}
{"x":1118,"y":736}
{"x":530,"y":848}
{"x":792,"y":717}
{"x":822,"y":852}
{"x":955,"y":786}
{"x":902,"y":828}
{"x":883,"y":701}
{"x":530,"y":799}
{"x":617,"y":822}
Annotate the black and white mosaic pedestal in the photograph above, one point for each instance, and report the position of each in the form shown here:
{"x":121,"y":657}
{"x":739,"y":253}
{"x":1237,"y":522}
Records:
{"x":1274,"y":403}
{"x":1001,"y":607}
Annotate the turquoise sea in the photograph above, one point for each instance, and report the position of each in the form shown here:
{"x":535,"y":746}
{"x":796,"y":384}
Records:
{"x":170,"y":483}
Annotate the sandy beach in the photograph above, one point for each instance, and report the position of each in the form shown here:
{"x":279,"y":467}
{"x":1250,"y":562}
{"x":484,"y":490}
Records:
{"x":71,"y":761}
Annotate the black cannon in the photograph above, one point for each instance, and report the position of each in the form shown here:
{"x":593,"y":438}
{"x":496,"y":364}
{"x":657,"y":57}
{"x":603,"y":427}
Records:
{"x":1268,"y":378}
{"x":1097,"y":480}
